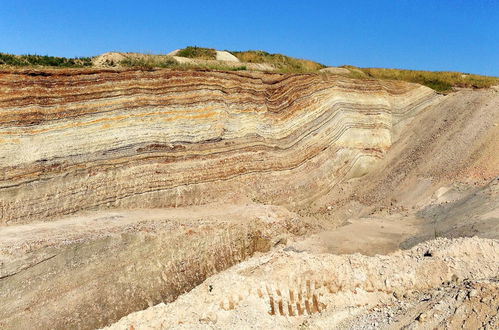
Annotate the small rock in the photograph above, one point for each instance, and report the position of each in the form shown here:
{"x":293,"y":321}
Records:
{"x":209,"y":318}
{"x":472,"y":293}
{"x":461,"y":296}
{"x":422,"y":317}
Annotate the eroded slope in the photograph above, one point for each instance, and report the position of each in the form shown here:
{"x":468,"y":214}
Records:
{"x":289,"y":290}
{"x":89,"y":270}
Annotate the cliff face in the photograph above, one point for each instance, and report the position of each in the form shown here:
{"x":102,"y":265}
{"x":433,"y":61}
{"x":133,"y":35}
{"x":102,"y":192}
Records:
{"x":221,"y":165}
{"x":78,"y":140}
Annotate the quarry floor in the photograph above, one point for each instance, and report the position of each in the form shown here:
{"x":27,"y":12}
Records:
{"x":457,"y":294}
{"x":391,"y":269}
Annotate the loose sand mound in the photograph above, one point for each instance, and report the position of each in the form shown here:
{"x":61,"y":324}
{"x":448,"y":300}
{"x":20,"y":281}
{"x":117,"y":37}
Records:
{"x":221,"y":55}
{"x":226,"y":56}
{"x":109,"y":59}
{"x":336,"y":70}
{"x":224,"y":61}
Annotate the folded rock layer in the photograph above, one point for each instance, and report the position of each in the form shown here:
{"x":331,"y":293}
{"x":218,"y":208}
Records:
{"x":77,"y":140}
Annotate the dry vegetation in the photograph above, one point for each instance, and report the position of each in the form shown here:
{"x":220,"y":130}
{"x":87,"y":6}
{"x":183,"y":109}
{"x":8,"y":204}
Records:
{"x":149,"y":61}
{"x":44,"y":60}
{"x":198,"y":52}
{"x":283,"y":63}
{"x":165,"y":61}
{"x":442,"y":82}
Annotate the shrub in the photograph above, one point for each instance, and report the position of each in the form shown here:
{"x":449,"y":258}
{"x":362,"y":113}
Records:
{"x":150,"y":62}
{"x":198,"y":52}
{"x":39,"y":60}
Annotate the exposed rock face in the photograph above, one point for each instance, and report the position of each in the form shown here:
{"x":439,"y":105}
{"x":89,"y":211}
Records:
{"x":86,"y":271}
{"x":172,"y":173}
{"x":79,"y":140}
{"x":288,"y":289}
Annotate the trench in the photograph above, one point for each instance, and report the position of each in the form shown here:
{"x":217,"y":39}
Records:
{"x":91,"y":284}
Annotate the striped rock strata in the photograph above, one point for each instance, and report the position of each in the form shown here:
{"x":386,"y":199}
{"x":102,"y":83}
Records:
{"x":77,"y":140}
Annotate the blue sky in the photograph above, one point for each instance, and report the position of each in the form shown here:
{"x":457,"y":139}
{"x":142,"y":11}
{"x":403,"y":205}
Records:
{"x":458,"y":35}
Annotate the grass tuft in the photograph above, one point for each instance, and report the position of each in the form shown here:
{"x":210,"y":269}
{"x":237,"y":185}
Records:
{"x":282,"y":63}
{"x":43,"y":60}
{"x":149,"y":62}
{"x":198,"y":52}
{"x":440,"y":81}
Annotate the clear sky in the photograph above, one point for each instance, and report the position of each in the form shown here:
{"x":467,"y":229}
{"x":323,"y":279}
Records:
{"x":458,"y":35}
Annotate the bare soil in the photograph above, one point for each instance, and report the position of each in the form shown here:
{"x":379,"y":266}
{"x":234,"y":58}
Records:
{"x":435,"y":284}
{"x":439,"y":182}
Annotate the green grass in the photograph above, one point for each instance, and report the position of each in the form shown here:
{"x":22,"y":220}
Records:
{"x":220,"y":67}
{"x":39,"y":60}
{"x":441,"y":81}
{"x":165,"y":61}
{"x":156,"y":61}
{"x":198,"y":52}
{"x":282,"y":63}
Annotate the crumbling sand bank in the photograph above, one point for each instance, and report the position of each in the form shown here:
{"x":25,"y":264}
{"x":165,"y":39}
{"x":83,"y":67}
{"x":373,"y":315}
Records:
{"x":287,"y":289}
{"x":90,"y":270}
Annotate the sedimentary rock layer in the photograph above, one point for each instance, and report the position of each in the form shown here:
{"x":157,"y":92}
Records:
{"x":78,"y":140}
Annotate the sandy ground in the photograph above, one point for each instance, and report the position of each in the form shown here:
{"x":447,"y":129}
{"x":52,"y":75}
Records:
{"x":335,"y":70}
{"x":85,"y":270}
{"x":368,"y":236}
{"x":288,"y":289}
{"x":222,"y":55}
{"x":23,"y":242}
{"x":113,"y":59}
{"x":439,"y":179}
